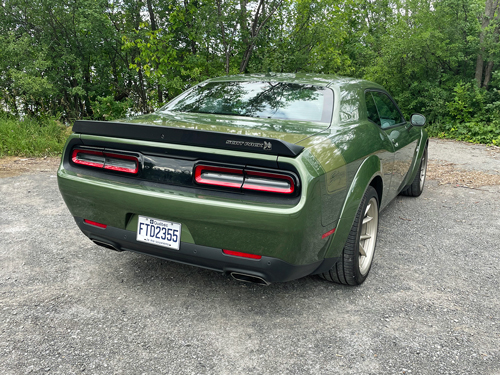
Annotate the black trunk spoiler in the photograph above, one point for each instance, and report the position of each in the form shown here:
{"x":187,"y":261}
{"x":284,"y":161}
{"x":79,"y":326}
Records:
{"x":188,"y":137}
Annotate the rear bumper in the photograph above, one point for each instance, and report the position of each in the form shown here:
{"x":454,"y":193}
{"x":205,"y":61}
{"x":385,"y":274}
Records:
{"x":267,"y":268}
{"x":292,"y":234}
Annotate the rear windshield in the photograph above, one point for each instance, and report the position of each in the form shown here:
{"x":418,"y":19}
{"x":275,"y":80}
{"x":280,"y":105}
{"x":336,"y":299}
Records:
{"x":279,"y":100}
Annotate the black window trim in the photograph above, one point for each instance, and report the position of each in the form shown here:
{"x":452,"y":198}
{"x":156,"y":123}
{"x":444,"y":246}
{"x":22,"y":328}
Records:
{"x":375,"y":104}
{"x":404,"y":122}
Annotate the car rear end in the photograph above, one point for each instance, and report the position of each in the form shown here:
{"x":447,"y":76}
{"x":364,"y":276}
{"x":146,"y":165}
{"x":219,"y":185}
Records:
{"x":193,"y":198}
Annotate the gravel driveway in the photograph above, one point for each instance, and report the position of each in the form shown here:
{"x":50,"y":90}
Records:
{"x":430,"y":305}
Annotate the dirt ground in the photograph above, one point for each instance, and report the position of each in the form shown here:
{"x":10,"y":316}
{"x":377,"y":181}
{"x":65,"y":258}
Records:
{"x":463,"y":164}
{"x":14,"y":166}
{"x":429,"y":306}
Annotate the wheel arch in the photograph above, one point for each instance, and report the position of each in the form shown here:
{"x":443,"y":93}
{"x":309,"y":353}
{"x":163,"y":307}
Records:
{"x":368,"y":174}
{"x":378,"y":185}
{"x":423,"y":144}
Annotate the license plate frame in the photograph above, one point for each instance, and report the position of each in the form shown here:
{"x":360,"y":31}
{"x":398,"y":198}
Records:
{"x":159,"y":232}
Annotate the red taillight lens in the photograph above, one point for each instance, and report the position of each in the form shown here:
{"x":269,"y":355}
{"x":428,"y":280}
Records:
{"x":95,"y":224}
{"x":121,"y":163}
{"x":246,"y":179}
{"x":268,"y":182}
{"x":106,"y":160}
{"x":242,"y":255}
{"x":218,"y":176}
{"x":89,"y":158}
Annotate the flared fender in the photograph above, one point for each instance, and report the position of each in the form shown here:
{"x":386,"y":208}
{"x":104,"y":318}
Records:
{"x":368,"y":170}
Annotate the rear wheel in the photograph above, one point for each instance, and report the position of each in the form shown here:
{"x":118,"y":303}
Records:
{"x":417,"y":186}
{"x":357,"y":256}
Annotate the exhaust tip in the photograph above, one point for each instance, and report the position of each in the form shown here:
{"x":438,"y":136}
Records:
{"x":107,"y":245}
{"x":249,"y":278}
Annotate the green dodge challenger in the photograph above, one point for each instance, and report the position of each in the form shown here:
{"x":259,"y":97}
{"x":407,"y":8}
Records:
{"x":266,"y":177}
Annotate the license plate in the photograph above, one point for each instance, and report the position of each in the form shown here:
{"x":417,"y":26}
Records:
{"x":159,"y":232}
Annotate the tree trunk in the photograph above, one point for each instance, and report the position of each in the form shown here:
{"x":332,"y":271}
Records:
{"x":151,"y":16}
{"x":249,"y":36}
{"x":245,"y":33}
{"x":223,"y":34}
{"x":154,"y":28}
{"x":491,"y":7}
{"x":142,"y":91}
{"x":487,"y":74}
{"x":246,"y":58}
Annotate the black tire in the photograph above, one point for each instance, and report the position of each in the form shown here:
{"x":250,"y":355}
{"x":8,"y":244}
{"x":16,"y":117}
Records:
{"x":353,"y":267}
{"x":417,"y":186}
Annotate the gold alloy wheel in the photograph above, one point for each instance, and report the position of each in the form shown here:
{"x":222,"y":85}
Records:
{"x":368,"y":236}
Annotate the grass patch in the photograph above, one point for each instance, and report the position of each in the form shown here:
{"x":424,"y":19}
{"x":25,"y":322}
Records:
{"x":32,"y":137}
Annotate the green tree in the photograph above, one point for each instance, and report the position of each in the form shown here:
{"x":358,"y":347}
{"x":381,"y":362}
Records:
{"x":489,"y":49}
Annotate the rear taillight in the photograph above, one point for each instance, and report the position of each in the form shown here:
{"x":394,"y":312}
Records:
{"x":218,"y":176}
{"x":121,"y":163}
{"x":88,"y":157}
{"x":246,"y":179}
{"x":268,"y":182}
{"x":106,"y":160}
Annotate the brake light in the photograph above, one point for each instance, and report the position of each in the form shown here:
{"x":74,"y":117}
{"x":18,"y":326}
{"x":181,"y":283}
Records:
{"x":246,"y":179}
{"x":242,"y":255}
{"x":106,"y":160}
{"x":218,"y":176}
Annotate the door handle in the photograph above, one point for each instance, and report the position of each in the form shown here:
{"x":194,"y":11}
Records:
{"x":394,"y":142}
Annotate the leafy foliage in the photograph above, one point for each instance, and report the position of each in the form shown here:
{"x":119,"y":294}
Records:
{"x":103,"y":59}
{"x":108,"y":108}
{"x":473,"y":116}
{"x":474,"y":132}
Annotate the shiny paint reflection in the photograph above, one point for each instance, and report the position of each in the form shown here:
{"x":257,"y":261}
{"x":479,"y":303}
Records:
{"x":289,"y":131}
{"x":266,"y":99}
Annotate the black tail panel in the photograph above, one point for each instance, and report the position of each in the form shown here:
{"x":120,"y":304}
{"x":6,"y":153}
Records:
{"x":173,"y":169}
{"x":189,"y":137}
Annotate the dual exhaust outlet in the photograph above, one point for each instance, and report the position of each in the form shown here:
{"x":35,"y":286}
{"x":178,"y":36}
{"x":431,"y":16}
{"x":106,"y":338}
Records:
{"x":249,"y":278}
{"x":236,"y":275}
{"x":107,"y":245}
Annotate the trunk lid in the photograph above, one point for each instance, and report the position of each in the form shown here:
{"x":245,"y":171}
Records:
{"x":266,"y":136}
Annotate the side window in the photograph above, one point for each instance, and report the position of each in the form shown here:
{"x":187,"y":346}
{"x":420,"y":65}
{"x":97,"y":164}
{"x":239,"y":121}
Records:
{"x":371,"y":109}
{"x":388,"y":112}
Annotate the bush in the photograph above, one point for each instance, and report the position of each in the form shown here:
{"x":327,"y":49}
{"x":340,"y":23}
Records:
{"x":472,"y":131}
{"x":473,"y":116}
{"x":32,"y":137}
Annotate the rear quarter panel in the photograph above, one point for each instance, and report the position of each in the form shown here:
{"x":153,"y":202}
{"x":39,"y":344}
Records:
{"x":352,"y":155}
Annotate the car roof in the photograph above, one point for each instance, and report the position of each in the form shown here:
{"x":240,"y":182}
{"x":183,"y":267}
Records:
{"x":327,"y":80}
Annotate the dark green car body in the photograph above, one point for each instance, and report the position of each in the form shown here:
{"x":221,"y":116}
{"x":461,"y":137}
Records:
{"x":332,"y":165}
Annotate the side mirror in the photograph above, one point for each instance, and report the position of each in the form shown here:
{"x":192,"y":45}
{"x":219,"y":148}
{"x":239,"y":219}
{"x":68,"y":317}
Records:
{"x":417,"y":119}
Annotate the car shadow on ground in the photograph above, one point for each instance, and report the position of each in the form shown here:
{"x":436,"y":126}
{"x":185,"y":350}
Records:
{"x":141,"y":274}
{"x":163,"y":279}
